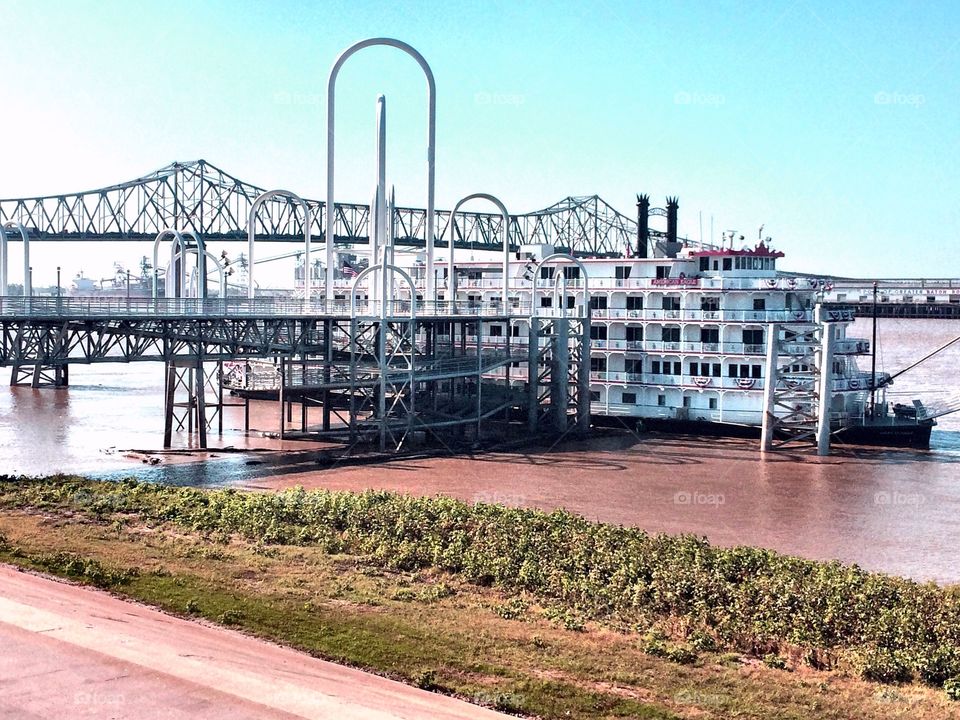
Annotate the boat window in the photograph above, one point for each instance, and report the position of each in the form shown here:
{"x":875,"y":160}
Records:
{"x":710,"y":303}
{"x":663,"y":272}
{"x":712,"y":403}
{"x":598,"y":302}
{"x":496,"y":331}
{"x":598,"y":332}
{"x":671,"y":303}
{"x":598,"y":364}
{"x":753,"y":337}
{"x":661,"y":400}
{"x":634,"y":366}
{"x":655,"y":367}
{"x":546,"y":302}
{"x":671,"y":334}
{"x":635,"y":302}
{"x":704,"y":264}
{"x":595,"y":396}
{"x":759,"y":304}
{"x":727,"y":263}
{"x":622,"y":272}
{"x":634,"y":333}
{"x":755,"y":371}
{"x":629,"y":398}
{"x":716,"y":369}
{"x":686,"y":401}
{"x":709,"y":335}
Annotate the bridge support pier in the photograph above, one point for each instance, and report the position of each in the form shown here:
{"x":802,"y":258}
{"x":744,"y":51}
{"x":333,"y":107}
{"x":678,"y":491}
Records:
{"x":40,"y":376}
{"x":193,"y":398}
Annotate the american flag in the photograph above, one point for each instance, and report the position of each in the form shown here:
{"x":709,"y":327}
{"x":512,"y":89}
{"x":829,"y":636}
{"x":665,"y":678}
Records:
{"x":348,"y":270}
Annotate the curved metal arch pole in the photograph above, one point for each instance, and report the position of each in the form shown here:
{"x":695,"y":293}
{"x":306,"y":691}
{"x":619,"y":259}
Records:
{"x":561,"y":257}
{"x":202,"y":256}
{"x":25,"y":236}
{"x":392,"y":268}
{"x":161,"y":236}
{"x":451,"y":268}
{"x":330,"y":208}
{"x":217,"y":264}
{"x":251,"y":237}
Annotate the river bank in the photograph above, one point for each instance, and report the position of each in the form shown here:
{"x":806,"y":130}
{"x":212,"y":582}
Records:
{"x":435,"y":600}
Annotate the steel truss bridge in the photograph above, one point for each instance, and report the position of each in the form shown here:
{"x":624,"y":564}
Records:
{"x":200,"y":197}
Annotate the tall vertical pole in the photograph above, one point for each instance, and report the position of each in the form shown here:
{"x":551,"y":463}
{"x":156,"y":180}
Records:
{"x":533,"y":373}
{"x":170,"y":375}
{"x":4,"y":271}
{"x":770,"y":388}
{"x":873,"y":357}
{"x":826,"y":388}
{"x":201,"y":393}
{"x":583,"y":376}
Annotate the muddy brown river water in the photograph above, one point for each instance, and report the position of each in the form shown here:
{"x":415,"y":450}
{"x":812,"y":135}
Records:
{"x":891,"y":510}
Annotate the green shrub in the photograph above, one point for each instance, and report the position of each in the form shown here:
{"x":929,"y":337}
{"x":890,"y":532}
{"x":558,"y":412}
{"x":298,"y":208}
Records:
{"x":777,"y":662}
{"x":512,"y":609}
{"x":952,"y":688}
{"x":681,"y":654}
{"x":229,"y":617}
{"x":881,"y":665}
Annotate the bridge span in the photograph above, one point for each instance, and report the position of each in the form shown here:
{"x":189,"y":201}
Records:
{"x":376,"y":370}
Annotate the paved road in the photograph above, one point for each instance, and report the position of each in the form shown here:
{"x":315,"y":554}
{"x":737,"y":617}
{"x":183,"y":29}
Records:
{"x":72,"y":652}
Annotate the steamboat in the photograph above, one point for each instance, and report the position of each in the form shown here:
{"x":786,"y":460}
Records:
{"x":681,"y":335}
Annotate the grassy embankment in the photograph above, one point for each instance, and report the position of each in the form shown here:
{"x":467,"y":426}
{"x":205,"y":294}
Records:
{"x":530,"y":612}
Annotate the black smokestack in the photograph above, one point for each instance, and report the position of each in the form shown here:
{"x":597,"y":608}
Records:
{"x":643,"y":225}
{"x":672,"y":206}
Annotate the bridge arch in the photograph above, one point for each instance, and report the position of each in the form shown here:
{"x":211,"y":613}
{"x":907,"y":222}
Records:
{"x":251,"y":237}
{"x":451,"y":268}
{"x":330,"y":208}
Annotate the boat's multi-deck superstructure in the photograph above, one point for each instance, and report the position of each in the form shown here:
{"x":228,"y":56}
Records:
{"x":679,"y":338}
{"x":675,"y":339}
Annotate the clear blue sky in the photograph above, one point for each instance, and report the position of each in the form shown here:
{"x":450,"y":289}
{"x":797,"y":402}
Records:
{"x":835,"y":125}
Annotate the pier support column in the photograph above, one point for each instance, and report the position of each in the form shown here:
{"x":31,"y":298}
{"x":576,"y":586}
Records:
{"x":583,"y":378}
{"x":771,"y":378}
{"x":825,"y":389}
{"x":328,"y":358}
{"x":533,"y":374}
{"x":560,"y":375}
{"x":170,"y":389}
